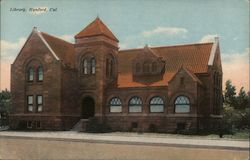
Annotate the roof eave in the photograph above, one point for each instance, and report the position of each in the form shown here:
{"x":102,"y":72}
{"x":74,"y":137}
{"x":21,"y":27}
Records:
{"x":79,"y":36}
{"x":46,"y":43}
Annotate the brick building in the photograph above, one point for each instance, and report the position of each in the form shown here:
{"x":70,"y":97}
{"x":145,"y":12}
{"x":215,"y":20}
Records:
{"x":55,"y":83}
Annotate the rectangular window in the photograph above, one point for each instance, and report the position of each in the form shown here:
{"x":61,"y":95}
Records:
{"x":135,"y":109}
{"x":38,"y":124}
{"x":30,"y":103}
{"x":39,"y":102}
{"x":29,"y":124}
{"x":156,"y":108}
{"x":40,"y":73}
{"x":115,"y":109}
{"x":182,"y":108}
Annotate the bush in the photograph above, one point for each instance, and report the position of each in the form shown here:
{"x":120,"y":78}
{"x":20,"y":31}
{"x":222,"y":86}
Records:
{"x":235,"y":119}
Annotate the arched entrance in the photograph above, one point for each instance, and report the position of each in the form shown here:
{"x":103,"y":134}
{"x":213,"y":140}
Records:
{"x":88,"y":107}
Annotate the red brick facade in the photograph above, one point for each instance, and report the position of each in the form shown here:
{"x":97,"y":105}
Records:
{"x":137,"y":89}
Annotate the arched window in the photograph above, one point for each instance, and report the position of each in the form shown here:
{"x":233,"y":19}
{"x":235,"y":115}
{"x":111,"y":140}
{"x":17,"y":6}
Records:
{"x":85,"y":66}
{"x":135,"y":104}
{"x":93,"y":64}
{"x":115,"y":105}
{"x":111,"y":68}
{"x":138,"y":67}
{"x":182,"y":104}
{"x":30,"y":75}
{"x":40,"y":73}
{"x":154,"y":66}
{"x":146,"y":67}
{"x":107,"y":67}
{"x":156,"y":104}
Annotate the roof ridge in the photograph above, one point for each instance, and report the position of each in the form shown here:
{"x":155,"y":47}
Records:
{"x":99,"y":24}
{"x":57,"y":38}
{"x":178,"y":45}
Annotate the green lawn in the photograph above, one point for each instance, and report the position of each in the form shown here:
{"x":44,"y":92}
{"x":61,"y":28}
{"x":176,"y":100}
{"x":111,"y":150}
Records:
{"x":239,"y":135}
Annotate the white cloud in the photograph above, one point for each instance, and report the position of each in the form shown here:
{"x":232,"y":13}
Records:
{"x":208,"y":38}
{"x":38,"y":10}
{"x":165,"y":30}
{"x":236,"y":67}
{"x":9,"y":50}
{"x":67,"y":37}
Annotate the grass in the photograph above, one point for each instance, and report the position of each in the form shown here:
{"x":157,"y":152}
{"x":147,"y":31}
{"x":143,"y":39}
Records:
{"x":238,"y":135}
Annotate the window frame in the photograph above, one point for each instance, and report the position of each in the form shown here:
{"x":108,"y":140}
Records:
{"x":29,"y":74}
{"x":115,"y":105}
{"x":38,"y":125}
{"x":85,"y":66}
{"x":39,"y":104}
{"x":156,"y":104}
{"x":146,"y":67}
{"x":92,"y":65}
{"x":182,"y":104}
{"x":29,"y":124}
{"x":154,"y":67}
{"x":38,"y":73}
{"x":140,"y":104}
{"x":138,"y":68}
{"x":111,"y":68}
{"x":30,"y":104}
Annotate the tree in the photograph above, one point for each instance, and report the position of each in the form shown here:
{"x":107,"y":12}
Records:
{"x":241,"y":99}
{"x":5,"y":103}
{"x":230,"y":94}
{"x":5,"y":100}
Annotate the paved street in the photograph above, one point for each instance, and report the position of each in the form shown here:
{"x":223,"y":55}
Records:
{"x":73,"y":145}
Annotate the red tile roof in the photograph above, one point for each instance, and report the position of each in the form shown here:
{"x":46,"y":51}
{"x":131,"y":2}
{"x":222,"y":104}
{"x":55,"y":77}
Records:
{"x":97,"y":27}
{"x":194,"y":57}
{"x":64,"y":50}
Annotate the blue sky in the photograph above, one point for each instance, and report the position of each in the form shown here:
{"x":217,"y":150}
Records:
{"x":136,"y":23}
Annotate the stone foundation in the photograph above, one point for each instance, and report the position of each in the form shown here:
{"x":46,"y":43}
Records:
{"x":35,"y":122}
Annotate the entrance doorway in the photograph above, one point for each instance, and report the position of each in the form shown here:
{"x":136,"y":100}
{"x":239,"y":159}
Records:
{"x":88,"y":107}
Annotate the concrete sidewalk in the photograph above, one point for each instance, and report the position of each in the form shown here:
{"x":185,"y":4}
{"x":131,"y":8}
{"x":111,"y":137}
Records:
{"x":137,"y":140}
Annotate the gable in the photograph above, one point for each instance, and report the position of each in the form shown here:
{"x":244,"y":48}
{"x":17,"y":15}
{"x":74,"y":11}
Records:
{"x":33,"y":44}
{"x":185,"y":74}
{"x":59,"y":49}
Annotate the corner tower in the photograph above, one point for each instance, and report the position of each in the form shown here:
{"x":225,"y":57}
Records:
{"x":96,"y":50}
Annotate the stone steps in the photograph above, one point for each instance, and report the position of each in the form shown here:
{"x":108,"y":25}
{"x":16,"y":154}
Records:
{"x":80,"y":125}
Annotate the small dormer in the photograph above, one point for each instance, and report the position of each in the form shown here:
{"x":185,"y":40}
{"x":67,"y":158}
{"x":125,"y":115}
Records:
{"x":148,"y":63}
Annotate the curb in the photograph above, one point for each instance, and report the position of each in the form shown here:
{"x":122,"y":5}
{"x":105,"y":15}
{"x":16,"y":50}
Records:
{"x":126,"y":142}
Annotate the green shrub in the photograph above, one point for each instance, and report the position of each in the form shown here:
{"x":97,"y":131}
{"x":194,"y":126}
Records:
{"x":235,"y":119}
